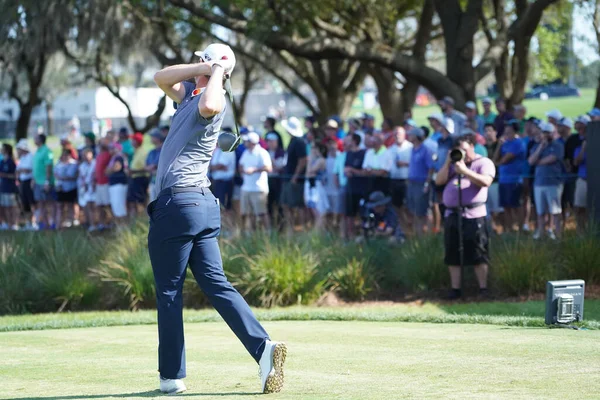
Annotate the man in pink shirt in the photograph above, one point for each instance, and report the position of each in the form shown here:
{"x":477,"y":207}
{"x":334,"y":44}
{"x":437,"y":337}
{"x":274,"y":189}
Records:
{"x":476,"y":175}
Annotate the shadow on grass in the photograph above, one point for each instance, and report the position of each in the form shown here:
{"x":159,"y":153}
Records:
{"x":150,"y":393}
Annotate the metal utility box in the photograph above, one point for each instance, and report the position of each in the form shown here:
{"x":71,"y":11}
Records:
{"x":564,"y":301}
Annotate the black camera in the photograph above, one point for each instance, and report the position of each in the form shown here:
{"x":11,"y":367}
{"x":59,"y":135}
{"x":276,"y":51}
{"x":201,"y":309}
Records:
{"x":369,"y":223}
{"x":457,"y":154}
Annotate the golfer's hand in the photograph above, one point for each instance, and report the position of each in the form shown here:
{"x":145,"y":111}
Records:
{"x":460,"y":167}
{"x":227,"y":65}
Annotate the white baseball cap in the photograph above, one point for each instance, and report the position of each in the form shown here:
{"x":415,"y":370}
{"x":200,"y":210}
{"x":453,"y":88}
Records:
{"x":583,"y":119}
{"x":252,"y":137}
{"x":546,"y":127}
{"x":487,"y":100}
{"x":438,"y":117}
{"x":568,"y":122}
{"x":470,"y":105}
{"x":217,"y":51}
{"x":23,"y":145}
{"x":557,"y":115}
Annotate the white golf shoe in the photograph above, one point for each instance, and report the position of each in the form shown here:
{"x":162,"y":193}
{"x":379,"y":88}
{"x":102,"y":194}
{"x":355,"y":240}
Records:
{"x":271,"y":366}
{"x":172,"y":386}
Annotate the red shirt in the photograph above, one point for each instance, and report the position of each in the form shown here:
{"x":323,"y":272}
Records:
{"x":102,"y":161}
{"x":340,"y":143}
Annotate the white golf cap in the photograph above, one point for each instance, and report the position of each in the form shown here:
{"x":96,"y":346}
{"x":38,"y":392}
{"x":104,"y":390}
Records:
{"x":546,"y":127}
{"x":487,"y":100}
{"x":583,"y":119}
{"x":23,"y":145}
{"x":557,"y":115}
{"x":252,"y":137}
{"x":332,"y":123}
{"x":470,"y":105}
{"x":293,"y":126}
{"x":217,"y":51}
{"x":438,"y":117}
{"x":568,"y":122}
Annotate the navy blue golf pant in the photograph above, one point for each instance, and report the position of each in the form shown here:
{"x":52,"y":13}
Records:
{"x":183,"y":230}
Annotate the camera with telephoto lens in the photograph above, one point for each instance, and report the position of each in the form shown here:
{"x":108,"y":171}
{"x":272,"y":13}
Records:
{"x":369,"y":223}
{"x":457,"y":154}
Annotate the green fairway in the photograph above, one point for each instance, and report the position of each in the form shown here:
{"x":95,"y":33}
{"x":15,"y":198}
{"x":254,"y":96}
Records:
{"x":326,"y":360}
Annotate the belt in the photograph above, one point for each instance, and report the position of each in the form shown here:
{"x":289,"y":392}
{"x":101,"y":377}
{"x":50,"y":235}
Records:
{"x":466,"y":207}
{"x":190,"y":189}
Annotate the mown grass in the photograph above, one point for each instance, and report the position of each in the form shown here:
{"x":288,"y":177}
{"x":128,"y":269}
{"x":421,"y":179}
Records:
{"x":326,"y":360}
{"x":71,"y":270}
{"x":525,"y":314}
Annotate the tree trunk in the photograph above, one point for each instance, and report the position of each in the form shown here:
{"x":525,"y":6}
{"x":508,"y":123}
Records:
{"x":390,"y":98}
{"x":23,"y":121}
{"x":503,"y":81}
{"x":49,"y":117}
{"x":459,"y":30}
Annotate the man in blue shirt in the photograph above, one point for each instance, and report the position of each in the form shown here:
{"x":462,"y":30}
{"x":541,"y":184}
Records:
{"x":185,"y":222}
{"x":547,"y":156}
{"x":420,"y":171}
{"x":509,"y":159}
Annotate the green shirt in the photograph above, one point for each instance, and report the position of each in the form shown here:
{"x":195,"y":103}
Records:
{"x":481,"y":150}
{"x":42,"y":159}
{"x":128,"y":150}
{"x":490,"y":118}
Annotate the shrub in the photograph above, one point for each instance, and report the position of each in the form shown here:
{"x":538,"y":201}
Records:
{"x":422,"y":264}
{"x":126,"y":268}
{"x":521,"y":266}
{"x":282,"y":274}
{"x":580,"y":256}
{"x":355,"y":281}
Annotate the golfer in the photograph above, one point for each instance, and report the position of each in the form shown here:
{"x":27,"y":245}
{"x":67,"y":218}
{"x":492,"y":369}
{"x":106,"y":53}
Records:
{"x":185,"y":222}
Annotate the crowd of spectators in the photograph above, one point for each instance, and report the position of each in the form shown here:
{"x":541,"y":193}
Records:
{"x":342,"y":176}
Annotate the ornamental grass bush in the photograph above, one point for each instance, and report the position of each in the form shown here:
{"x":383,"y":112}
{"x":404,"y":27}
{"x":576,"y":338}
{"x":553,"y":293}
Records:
{"x":72,"y":270}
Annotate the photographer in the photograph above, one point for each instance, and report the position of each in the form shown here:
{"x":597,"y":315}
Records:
{"x":467,"y":177}
{"x":380,"y":220}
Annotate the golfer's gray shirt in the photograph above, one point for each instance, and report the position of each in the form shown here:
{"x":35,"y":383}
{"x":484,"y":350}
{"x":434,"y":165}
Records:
{"x":192,"y":139}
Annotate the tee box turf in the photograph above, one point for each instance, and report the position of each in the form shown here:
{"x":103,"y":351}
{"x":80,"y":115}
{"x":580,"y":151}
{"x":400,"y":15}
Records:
{"x":564,"y":301}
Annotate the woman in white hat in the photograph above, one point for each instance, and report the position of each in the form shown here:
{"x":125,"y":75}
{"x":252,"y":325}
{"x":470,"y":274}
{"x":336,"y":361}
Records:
{"x":24,"y":177}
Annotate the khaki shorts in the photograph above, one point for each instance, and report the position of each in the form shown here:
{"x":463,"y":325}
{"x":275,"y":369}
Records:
{"x":253,"y":203}
{"x":580,"y":193}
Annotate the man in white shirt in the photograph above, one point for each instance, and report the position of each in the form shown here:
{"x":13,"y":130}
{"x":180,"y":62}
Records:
{"x":399,"y":155}
{"x":254,"y":166}
{"x":377,"y":165}
{"x":222,"y":171}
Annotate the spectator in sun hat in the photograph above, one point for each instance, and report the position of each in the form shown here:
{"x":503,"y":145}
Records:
{"x":385,"y":219}
{"x":126,"y":146}
{"x":474,"y":121}
{"x":139,"y":178}
{"x":254,"y":167}
{"x":24,"y":177}
{"x":269,"y":122}
{"x":554,"y":117}
{"x":436,"y":121}
{"x":420,"y":173}
{"x":459,"y":119}
{"x":292,"y":190}
{"x":547,"y":157}
{"x":502,"y":117}
{"x":488,"y":116}
{"x":595,"y":114}
{"x":509,"y":159}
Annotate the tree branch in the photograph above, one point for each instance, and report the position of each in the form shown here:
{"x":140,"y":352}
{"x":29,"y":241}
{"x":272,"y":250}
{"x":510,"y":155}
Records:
{"x":332,"y":30}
